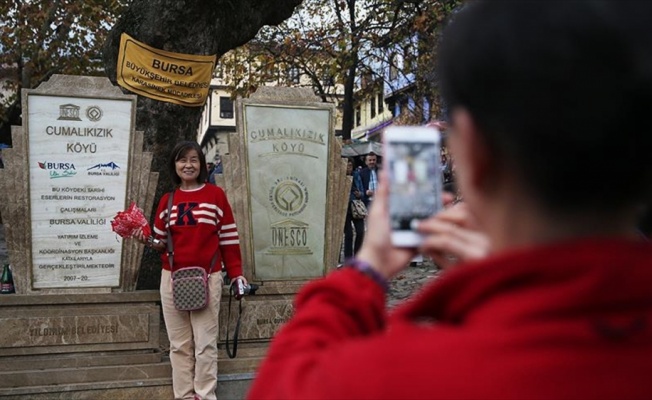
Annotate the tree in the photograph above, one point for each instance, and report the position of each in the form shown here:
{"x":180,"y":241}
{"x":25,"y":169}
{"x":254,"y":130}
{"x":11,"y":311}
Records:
{"x":192,"y":27}
{"x":42,"y":38}
{"x":417,"y":39}
{"x":348,"y":43}
{"x":322,"y":41}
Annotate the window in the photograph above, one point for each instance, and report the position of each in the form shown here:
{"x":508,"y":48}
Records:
{"x":367,"y":80}
{"x":381,"y":103}
{"x":358,"y":116}
{"x":293,"y":75}
{"x":426,"y":110}
{"x":218,"y":72}
{"x":411,"y":104}
{"x":373,"y":107}
{"x":226,"y":107}
{"x":408,"y":59}
{"x":395,"y":65}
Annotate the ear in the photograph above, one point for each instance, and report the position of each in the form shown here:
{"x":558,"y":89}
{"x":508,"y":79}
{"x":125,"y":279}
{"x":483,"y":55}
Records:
{"x":473,"y":155}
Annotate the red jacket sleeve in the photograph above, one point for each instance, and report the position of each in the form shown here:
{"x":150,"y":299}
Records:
{"x":314,"y":344}
{"x":160,"y":218}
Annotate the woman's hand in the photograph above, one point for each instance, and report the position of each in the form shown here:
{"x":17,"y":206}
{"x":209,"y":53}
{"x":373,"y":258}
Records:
{"x":357,"y":194}
{"x":451,"y":236}
{"x":242,"y":278}
{"x":138,"y":235}
{"x":156,"y":245}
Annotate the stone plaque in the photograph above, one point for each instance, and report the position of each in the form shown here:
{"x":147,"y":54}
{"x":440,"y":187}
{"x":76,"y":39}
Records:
{"x":261,"y":318}
{"x":68,"y":330}
{"x":78,"y":163}
{"x":287,"y":153}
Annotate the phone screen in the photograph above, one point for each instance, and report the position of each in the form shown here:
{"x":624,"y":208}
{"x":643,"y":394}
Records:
{"x":415,"y":181}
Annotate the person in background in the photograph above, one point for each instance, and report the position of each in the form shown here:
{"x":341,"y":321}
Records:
{"x":209,"y":167}
{"x":553,"y":295}
{"x":218,"y":164}
{"x":201,"y":224}
{"x":353,"y":225}
{"x":369,"y":176}
{"x":217,"y":169}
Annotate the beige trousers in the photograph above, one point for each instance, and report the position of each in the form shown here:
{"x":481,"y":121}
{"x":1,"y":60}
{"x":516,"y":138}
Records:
{"x":193,"y":341}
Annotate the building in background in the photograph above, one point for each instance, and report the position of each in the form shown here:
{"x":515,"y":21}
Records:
{"x":402,"y":95}
{"x":389,"y":94}
{"x":231,"y":77}
{"x":217,"y":121}
{"x":371,"y":114}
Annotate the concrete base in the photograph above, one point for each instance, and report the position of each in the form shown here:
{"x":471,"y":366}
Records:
{"x":150,"y":389}
{"x":52,"y":348}
{"x":82,"y":380}
{"x":229,"y":387}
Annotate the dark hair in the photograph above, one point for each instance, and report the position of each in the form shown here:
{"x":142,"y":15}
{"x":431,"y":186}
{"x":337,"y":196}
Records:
{"x":645,"y":222}
{"x":561,"y":92}
{"x":179,"y":151}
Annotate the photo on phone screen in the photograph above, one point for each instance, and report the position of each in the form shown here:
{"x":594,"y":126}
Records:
{"x":415,"y":181}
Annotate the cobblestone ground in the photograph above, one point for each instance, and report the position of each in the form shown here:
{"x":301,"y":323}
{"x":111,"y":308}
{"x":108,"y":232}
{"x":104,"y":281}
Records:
{"x":409,"y":281}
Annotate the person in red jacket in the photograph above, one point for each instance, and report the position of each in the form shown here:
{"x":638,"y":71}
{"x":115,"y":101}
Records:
{"x":541,"y":96}
{"x":204,"y":234}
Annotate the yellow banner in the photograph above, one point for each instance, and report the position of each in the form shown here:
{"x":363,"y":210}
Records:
{"x":177,"y":78}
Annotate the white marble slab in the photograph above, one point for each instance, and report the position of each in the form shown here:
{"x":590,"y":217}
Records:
{"x":78,"y":163}
{"x":287,"y":155}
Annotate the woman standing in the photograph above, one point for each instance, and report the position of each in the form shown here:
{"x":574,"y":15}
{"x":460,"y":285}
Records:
{"x":203,"y":229}
{"x":351,"y":223}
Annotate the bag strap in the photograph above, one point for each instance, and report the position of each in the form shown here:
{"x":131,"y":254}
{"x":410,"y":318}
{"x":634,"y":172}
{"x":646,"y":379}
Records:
{"x":169,"y":241}
{"x":357,"y":181}
{"x":167,"y":226}
{"x":236,"y":333}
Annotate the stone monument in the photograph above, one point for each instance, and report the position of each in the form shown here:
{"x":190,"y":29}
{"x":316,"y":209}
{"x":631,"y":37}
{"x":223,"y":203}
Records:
{"x":287,"y":184}
{"x":77,"y":327}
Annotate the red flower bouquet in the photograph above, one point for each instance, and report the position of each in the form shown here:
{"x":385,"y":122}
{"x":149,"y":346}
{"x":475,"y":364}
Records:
{"x":127,"y":222}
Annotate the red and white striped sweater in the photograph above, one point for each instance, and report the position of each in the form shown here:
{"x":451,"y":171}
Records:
{"x":201,"y":221}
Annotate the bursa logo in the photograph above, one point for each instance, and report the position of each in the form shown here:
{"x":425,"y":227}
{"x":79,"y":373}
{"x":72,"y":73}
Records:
{"x":49,"y":166}
{"x":58,"y":169}
{"x":110,"y":165}
{"x":106,"y":169}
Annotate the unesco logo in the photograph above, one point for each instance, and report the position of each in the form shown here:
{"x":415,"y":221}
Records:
{"x":288,"y":196}
{"x":70,"y":112}
{"x":94,"y":113}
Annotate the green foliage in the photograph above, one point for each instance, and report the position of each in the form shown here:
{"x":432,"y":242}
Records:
{"x":340,"y":46}
{"x":426,"y":25}
{"x":41,"y":38}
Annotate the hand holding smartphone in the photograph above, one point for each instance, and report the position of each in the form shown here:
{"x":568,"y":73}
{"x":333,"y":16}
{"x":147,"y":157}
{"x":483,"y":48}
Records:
{"x":412,"y":156}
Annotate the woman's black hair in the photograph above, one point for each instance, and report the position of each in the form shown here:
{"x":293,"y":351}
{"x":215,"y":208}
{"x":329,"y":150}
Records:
{"x":179,"y":151}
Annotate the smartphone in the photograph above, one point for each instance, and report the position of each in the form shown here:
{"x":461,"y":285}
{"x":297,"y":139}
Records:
{"x":412,"y":156}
